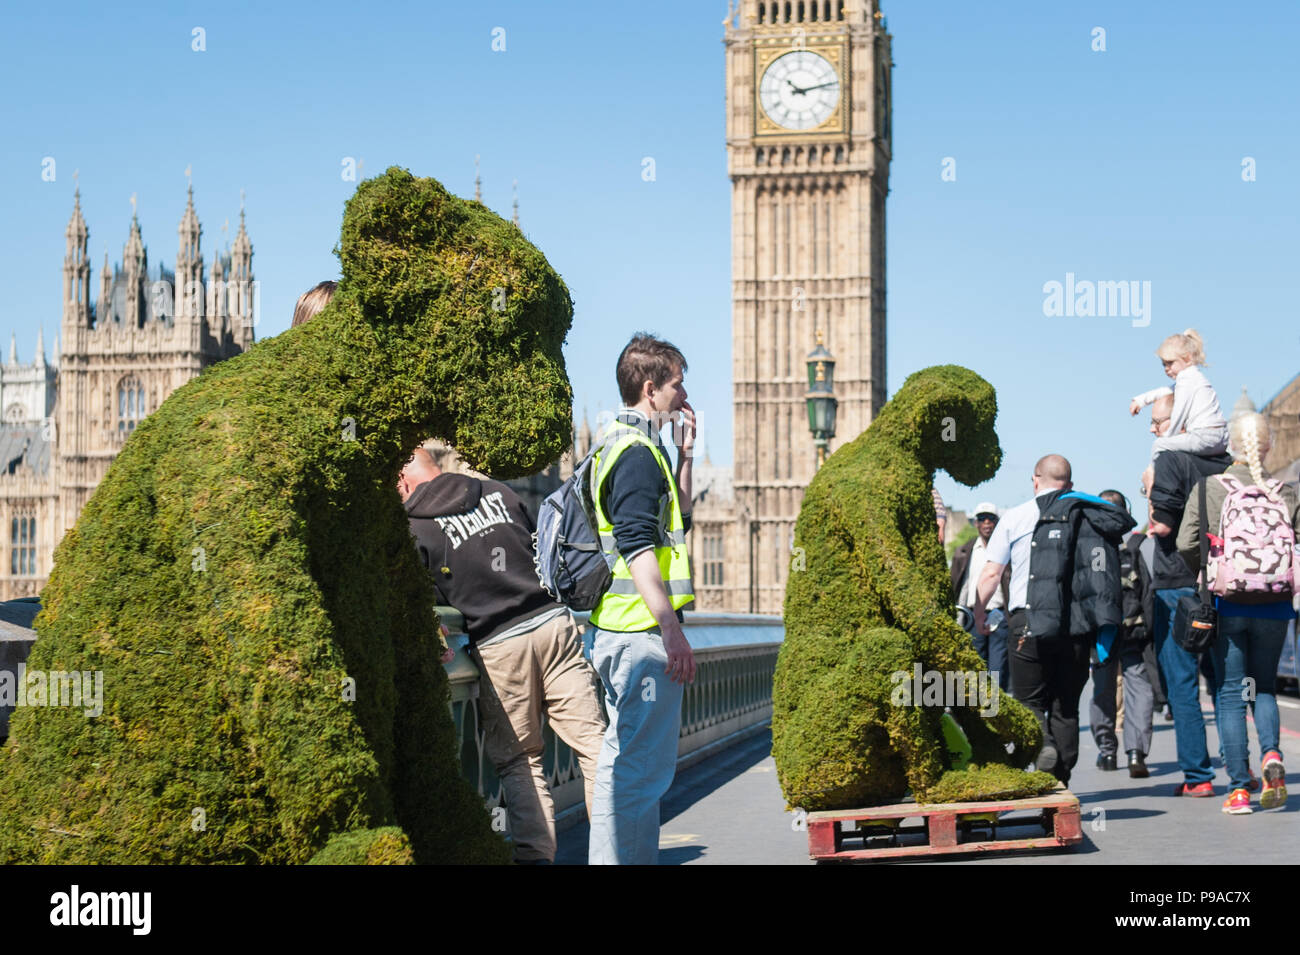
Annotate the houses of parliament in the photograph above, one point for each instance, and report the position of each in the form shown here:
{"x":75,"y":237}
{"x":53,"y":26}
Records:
{"x":115,"y":359}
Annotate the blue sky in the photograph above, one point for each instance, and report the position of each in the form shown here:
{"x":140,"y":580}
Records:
{"x":1116,"y":165}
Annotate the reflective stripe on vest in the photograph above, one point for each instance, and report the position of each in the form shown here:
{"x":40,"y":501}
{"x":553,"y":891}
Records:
{"x":622,"y":608}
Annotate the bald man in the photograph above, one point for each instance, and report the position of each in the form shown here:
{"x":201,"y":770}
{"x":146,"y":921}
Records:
{"x":1051,"y":638}
{"x":476,"y":539}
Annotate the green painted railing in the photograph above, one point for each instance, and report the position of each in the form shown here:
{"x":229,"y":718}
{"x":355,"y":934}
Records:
{"x":731,"y":698}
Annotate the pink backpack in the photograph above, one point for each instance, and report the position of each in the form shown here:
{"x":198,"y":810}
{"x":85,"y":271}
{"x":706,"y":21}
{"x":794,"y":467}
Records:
{"x":1253,"y":560}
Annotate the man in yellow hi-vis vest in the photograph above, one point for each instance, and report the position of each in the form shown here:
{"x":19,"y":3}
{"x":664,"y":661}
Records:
{"x":639,"y":650}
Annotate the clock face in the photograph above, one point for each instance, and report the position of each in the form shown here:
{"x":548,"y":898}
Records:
{"x":799,"y":90}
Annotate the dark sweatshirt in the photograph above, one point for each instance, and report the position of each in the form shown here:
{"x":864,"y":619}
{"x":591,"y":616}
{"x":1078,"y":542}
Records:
{"x":476,"y":539}
{"x":1176,"y":474}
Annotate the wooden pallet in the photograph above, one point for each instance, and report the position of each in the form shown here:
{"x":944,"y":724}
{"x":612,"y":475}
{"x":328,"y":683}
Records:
{"x":881,"y":833}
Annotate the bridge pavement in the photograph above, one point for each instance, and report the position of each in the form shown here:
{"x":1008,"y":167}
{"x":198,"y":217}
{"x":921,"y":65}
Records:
{"x":729,"y":810}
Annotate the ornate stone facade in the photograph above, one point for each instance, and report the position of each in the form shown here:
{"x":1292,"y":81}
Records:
{"x":1283,"y":414}
{"x":809,"y":179}
{"x":147,"y":334}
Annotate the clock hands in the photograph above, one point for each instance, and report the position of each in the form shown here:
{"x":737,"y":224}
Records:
{"x":801,"y":91}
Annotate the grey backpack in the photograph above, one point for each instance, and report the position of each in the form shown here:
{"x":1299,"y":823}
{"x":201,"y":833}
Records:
{"x":571,"y":564}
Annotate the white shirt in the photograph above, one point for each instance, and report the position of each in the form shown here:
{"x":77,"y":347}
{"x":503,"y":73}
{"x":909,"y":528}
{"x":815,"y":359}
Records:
{"x":1010,"y":543}
{"x":978,"y":558}
{"x":1196,"y":404}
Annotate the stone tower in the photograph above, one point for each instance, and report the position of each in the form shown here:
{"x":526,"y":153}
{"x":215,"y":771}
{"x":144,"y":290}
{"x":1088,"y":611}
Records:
{"x":148,"y":334}
{"x":808,"y":152}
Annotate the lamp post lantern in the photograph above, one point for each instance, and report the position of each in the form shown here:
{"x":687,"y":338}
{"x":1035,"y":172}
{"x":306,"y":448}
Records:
{"x":820,"y":397}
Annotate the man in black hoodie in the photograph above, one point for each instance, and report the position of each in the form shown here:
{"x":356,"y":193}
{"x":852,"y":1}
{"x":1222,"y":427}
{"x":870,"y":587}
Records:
{"x":476,"y":539}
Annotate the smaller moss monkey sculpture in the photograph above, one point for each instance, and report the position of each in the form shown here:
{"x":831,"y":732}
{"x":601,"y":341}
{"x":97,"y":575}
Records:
{"x":245,"y":581}
{"x":869,"y":602}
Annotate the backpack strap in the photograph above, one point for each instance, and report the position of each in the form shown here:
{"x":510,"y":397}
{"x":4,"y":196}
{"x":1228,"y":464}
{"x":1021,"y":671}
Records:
{"x":1201,"y":575}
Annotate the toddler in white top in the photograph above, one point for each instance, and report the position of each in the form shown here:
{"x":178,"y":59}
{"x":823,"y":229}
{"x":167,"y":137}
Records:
{"x":1196,"y":424}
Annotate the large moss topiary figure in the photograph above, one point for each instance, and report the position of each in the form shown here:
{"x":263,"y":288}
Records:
{"x":872,"y":599}
{"x":245,"y":579}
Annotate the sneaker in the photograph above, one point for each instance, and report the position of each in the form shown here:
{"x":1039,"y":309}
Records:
{"x":1254,"y":785}
{"x":1274,"y":794}
{"x":1195,"y":789}
{"x":1237,"y":803}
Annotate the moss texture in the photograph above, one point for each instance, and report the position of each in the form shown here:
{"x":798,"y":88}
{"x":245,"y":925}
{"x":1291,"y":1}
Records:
{"x":994,"y":781}
{"x":247,"y":561}
{"x":387,"y":846}
{"x":873,"y":599}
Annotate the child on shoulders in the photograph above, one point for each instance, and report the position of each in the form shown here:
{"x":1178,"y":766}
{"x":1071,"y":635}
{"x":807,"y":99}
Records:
{"x":1196,"y":423}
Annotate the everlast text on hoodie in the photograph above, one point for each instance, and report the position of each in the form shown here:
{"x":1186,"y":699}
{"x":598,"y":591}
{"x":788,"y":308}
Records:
{"x":476,"y":539}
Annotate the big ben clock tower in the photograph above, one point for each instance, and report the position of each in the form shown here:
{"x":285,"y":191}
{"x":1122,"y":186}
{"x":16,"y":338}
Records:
{"x":808,"y":151}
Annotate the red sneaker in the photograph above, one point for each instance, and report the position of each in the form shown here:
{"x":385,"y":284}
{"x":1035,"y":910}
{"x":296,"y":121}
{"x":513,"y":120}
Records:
{"x":1237,"y":803}
{"x":1274,"y":794}
{"x":1196,"y":789}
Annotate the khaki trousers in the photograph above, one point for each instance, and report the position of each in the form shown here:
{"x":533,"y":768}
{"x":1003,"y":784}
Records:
{"x":526,"y":678}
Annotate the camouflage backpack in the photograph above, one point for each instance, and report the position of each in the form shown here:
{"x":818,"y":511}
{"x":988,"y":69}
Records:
{"x":1253,"y":558}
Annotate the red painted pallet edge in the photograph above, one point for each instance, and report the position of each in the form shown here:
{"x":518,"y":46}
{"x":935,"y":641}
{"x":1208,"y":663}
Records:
{"x":942,"y":819}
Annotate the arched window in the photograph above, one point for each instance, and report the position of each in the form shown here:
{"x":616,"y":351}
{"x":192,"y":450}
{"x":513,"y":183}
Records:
{"x":826,"y":10}
{"x":787,"y":12}
{"x":130,"y":405}
{"x":801,"y":3}
{"x":15,"y":414}
{"x":762,"y":12}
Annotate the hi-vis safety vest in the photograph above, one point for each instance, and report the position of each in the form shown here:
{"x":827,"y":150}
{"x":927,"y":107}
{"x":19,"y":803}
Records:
{"x":621,"y":609}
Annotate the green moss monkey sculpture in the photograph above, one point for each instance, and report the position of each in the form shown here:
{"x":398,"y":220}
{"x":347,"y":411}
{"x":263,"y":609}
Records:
{"x":868,"y":599}
{"x":245,"y":580}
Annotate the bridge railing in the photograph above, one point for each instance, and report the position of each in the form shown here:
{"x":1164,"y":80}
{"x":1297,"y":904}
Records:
{"x":731,"y":698}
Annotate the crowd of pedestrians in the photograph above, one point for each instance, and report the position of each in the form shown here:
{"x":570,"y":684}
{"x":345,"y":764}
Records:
{"x":1207,"y":587}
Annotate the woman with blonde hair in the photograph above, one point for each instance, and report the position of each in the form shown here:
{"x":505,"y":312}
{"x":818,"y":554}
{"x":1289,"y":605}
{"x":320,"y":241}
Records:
{"x":1252,"y":627}
{"x":1196,"y":424}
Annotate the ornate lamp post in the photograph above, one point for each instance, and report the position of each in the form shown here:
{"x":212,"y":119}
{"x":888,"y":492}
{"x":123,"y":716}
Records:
{"x":820,"y":398}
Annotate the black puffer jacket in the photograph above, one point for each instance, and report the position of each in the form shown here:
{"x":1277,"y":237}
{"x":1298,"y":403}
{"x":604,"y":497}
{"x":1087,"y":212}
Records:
{"x":1074,"y":574}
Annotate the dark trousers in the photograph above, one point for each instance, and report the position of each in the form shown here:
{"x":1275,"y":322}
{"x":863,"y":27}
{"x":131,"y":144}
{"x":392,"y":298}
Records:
{"x":993,"y":651}
{"x":1126,"y":662}
{"x":1048,"y":674}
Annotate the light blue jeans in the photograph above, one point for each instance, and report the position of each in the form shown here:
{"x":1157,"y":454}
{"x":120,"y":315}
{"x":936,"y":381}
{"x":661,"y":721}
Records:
{"x":1182,"y":677}
{"x":639,"y":755}
{"x":1247,"y":649}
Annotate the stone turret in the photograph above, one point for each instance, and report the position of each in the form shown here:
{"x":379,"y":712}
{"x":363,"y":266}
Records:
{"x":1243,"y":405}
{"x":76,"y":267}
{"x":241,"y":285}
{"x":135,"y":263}
{"x":189,"y":263}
